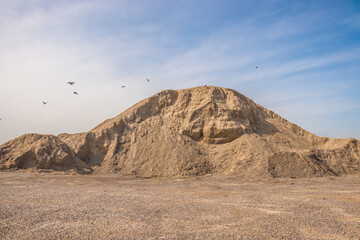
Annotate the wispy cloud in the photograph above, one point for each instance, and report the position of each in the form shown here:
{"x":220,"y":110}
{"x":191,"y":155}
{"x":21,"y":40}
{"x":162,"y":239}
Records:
{"x":102,"y":45}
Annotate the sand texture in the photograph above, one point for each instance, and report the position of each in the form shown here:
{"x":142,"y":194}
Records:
{"x":189,"y":132}
{"x":49,"y":206}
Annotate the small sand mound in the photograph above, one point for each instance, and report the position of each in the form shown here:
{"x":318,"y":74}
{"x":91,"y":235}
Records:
{"x":190,"y":132}
{"x":42,"y":152}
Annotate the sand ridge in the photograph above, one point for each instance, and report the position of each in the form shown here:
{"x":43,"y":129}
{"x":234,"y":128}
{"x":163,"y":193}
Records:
{"x":193,"y":131}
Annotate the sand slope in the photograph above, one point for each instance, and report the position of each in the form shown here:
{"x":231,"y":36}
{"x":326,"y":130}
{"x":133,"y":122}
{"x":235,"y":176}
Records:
{"x":189,"y":132}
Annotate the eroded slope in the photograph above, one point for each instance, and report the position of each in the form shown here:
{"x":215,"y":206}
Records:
{"x":198,"y":131}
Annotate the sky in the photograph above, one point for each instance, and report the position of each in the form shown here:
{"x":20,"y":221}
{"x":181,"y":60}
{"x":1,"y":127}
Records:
{"x":307,"y":53}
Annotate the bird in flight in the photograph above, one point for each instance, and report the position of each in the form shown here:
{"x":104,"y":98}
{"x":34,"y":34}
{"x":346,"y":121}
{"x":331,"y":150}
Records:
{"x":123,"y":86}
{"x":76,"y":93}
{"x":148,"y":79}
{"x":44,"y":102}
{"x":257,"y":67}
{"x":71,"y":83}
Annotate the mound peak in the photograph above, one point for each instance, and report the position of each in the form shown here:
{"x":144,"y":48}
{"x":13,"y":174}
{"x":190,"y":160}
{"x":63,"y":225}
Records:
{"x":194,"y":132}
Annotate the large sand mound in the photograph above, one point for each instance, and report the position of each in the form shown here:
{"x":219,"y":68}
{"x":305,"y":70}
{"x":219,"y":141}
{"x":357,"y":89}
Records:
{"x":189,"y":132}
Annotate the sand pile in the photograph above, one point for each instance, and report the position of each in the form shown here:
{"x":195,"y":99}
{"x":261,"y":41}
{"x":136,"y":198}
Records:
{"x":40,"y":152}
{"x":190,"y":132}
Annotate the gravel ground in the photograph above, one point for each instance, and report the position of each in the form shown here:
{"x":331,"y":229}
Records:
{"x":50,"y":206}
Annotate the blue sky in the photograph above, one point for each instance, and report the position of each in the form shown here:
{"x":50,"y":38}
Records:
{"x":308,"y":53}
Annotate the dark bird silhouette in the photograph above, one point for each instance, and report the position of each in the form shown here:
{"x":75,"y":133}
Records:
{"x":123,"y":86}
{"x":147,"y":79}
{"x":257,"y":67}
{"x":71,"y":83}
{"x":76,"y":93}
{"x":0,"y":119}
{"x":44,"y":102}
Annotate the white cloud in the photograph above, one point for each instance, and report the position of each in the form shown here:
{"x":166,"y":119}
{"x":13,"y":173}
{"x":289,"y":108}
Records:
{"x":44,"y":44}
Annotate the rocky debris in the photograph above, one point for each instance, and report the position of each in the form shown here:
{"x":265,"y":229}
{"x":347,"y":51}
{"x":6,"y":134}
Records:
{"x":49,"y":206}
{"x":191,"y":132}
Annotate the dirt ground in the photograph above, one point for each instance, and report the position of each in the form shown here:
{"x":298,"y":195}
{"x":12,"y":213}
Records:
{"x":57,"y":206}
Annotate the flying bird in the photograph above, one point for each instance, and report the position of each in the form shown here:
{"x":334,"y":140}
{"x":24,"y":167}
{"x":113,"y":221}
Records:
{"x":71,"y":83}
{"x":123,"y":86}
{"x":76,"y":93}
{"x":44,"y":102}
{"x":257,"y":67}
{"x":148,"y":79}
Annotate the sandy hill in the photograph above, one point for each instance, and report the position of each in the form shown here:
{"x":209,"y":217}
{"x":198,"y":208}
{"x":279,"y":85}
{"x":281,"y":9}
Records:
{"x":189,"y":132}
